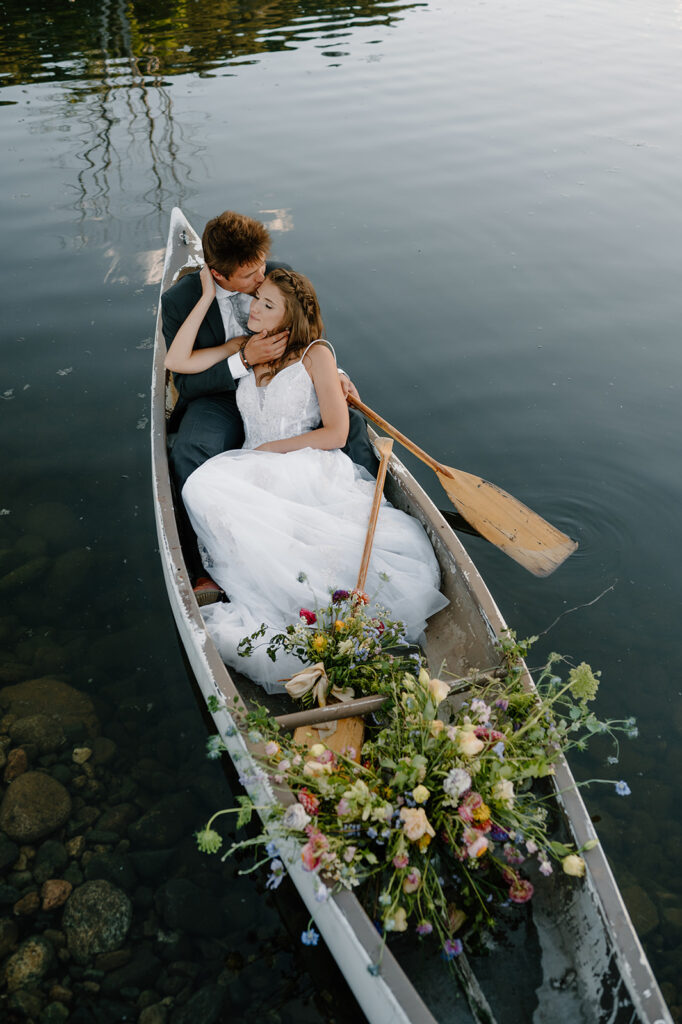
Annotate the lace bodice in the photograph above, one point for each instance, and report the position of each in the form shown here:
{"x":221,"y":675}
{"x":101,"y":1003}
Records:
{"x":285,"y":407}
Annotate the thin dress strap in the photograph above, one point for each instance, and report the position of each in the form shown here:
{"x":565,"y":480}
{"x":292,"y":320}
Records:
{"x":324,"y":342}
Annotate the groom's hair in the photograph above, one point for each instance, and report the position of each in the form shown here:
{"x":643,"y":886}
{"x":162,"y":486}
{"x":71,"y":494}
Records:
{"x":232,"y":240}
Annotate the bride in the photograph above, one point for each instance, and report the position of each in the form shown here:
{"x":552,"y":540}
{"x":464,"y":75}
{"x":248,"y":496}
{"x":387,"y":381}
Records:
{"x":281,"y":522}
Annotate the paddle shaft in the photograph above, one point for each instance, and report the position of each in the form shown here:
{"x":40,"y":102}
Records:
{"x":499,"y":517}
{"x":384,"y":446}
{"x":398,"y":436}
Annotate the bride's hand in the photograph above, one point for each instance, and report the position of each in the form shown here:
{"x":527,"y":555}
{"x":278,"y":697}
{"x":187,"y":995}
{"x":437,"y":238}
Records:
{"x":269,"y":446}
{"x":207,"y":283}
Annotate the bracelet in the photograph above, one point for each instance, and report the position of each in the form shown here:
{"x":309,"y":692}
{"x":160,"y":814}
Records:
{"x":242,"y":353}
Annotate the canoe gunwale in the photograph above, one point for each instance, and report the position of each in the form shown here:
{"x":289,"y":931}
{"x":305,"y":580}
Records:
{"x":389,"y":997}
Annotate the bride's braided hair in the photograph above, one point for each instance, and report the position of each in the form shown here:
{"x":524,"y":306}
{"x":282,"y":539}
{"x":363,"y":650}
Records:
{"x":302,"y":315}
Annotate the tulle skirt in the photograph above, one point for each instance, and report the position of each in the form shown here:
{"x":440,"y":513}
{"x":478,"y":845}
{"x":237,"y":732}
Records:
{"x":281,"y":532}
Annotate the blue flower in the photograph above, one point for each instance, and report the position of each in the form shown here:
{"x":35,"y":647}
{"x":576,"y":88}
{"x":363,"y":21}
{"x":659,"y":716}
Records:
{"x":271,"y":849}
{"x":622,"y":788}
{"x":372,"y":833}
{"x":274,"y":879}
{"x":452,"y":948}
{"x":499,"y":750}
{"x":373,"y":969}
{"x":310,"y":937}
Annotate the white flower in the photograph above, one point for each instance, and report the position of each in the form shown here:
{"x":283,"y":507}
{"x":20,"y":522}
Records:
{"x":456,"y":782}
{"x":295,"y":817}
{"x":480,"y":709}
{"x":503,"y":792}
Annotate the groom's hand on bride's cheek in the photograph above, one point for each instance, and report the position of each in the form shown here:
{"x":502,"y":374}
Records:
{"x":263,"y":349}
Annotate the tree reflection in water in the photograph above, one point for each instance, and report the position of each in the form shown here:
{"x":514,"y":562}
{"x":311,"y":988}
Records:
{"x":115,"y":57}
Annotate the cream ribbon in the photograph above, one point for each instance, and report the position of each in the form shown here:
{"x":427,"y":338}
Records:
{"x":315,"y":678}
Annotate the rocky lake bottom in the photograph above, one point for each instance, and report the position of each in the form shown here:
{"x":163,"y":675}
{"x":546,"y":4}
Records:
{"x":108,"y":911}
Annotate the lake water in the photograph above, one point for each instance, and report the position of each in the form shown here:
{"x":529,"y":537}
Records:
{"x":487,"y":197}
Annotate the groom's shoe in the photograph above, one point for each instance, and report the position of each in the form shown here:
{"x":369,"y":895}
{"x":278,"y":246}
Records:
{"x":207,"y":592}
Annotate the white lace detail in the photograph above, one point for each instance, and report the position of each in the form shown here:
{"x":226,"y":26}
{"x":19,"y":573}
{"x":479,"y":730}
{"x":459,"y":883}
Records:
{"x":286,"y":407}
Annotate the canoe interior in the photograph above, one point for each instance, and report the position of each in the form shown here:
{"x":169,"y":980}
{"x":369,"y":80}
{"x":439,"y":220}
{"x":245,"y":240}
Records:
{"x":572,"y":953}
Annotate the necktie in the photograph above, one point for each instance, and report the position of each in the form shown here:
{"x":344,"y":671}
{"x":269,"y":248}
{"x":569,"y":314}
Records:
{"x":238,"y":302}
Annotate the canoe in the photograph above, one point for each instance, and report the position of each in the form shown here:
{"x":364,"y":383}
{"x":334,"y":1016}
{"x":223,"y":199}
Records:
{"x":573,"y":955}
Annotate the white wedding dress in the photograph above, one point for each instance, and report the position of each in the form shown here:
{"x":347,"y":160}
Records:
{"x":280,"y":532}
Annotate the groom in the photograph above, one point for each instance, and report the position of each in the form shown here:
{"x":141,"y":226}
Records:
{"x":236,"y":250}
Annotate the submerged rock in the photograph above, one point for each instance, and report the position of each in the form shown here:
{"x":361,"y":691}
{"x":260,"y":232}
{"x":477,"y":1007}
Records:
{"x":164,"y":824}
{"x":96,"y":919}
{"x":34,"y":805}
{"x":31,"y":962}
{"x":43,"y":732}
{"x":182,"y":905}
{"x":70,"y":708}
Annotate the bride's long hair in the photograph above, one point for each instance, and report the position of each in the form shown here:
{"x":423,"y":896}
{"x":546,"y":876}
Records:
{"x":302,"y":315}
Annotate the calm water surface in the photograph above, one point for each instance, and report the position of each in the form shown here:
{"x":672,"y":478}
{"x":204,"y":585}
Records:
{"x":487,"y":197}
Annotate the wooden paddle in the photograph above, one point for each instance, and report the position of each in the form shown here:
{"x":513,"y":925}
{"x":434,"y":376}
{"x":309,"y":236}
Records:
{"x":503,"y":520}
{"x":384,"y":446}
{"x":349,"y":731}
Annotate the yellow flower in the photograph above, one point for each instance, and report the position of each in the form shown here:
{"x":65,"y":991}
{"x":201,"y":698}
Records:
{"x":319,"y":642}
{"x":420,"y":794}
{"x":339,"y":625}
{"x":424,"y":842}
{"x":438,"y":690}
{"x":397,"y":922}
{"x":436,"y":727}
{"x":415,"y":823}
{"x":424,"y":678}
{"x":317,"y":749}
{"x":481,"y":813}
{"x":573,"y":865}
{"x":469,"y":743}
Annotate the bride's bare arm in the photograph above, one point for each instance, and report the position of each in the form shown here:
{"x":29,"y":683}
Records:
{"x":181,"y":356}
{"x":321,"y":365}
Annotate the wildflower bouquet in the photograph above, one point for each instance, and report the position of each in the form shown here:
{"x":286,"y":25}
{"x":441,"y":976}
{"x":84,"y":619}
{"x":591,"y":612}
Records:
{"x":440,"y":822}
{"x":345,"y":647}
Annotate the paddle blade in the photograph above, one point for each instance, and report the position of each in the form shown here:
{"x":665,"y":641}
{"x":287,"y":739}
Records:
{"x":506,"y":522}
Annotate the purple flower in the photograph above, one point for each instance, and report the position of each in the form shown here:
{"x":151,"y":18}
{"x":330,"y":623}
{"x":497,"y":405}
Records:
{"x":502,"y":704}
{"x":622,"y":788}
{"x":424,"y":928}
{"x":340,"y":595}
{"x":498,"y":834}
{"x":310,"y":937}
{"x":452,"y":948}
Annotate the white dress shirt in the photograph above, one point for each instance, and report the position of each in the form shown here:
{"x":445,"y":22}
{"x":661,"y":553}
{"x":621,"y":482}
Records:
{"x":233,"y":328}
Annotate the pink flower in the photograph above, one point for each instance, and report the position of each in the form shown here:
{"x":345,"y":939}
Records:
{"x":309,"y":801}
{"x":349,"y":853}
{"x":424,"y":928}
{"x":401,"y":860}
{"x":412,"y":880}
{"x":470,"y":804}
{"x":343,"y":807}
{"x":310,"y":617}
{"x":545,"y":868}
{"x":520,"y":891}
{"x":312,"y":852}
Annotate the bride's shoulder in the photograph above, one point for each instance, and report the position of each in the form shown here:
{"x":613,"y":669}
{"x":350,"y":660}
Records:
{"x":319,"y":353}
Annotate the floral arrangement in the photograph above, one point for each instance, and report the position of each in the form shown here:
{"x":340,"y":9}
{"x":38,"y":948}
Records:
{"x":342,"y":644}
{"x":440,"y":823}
